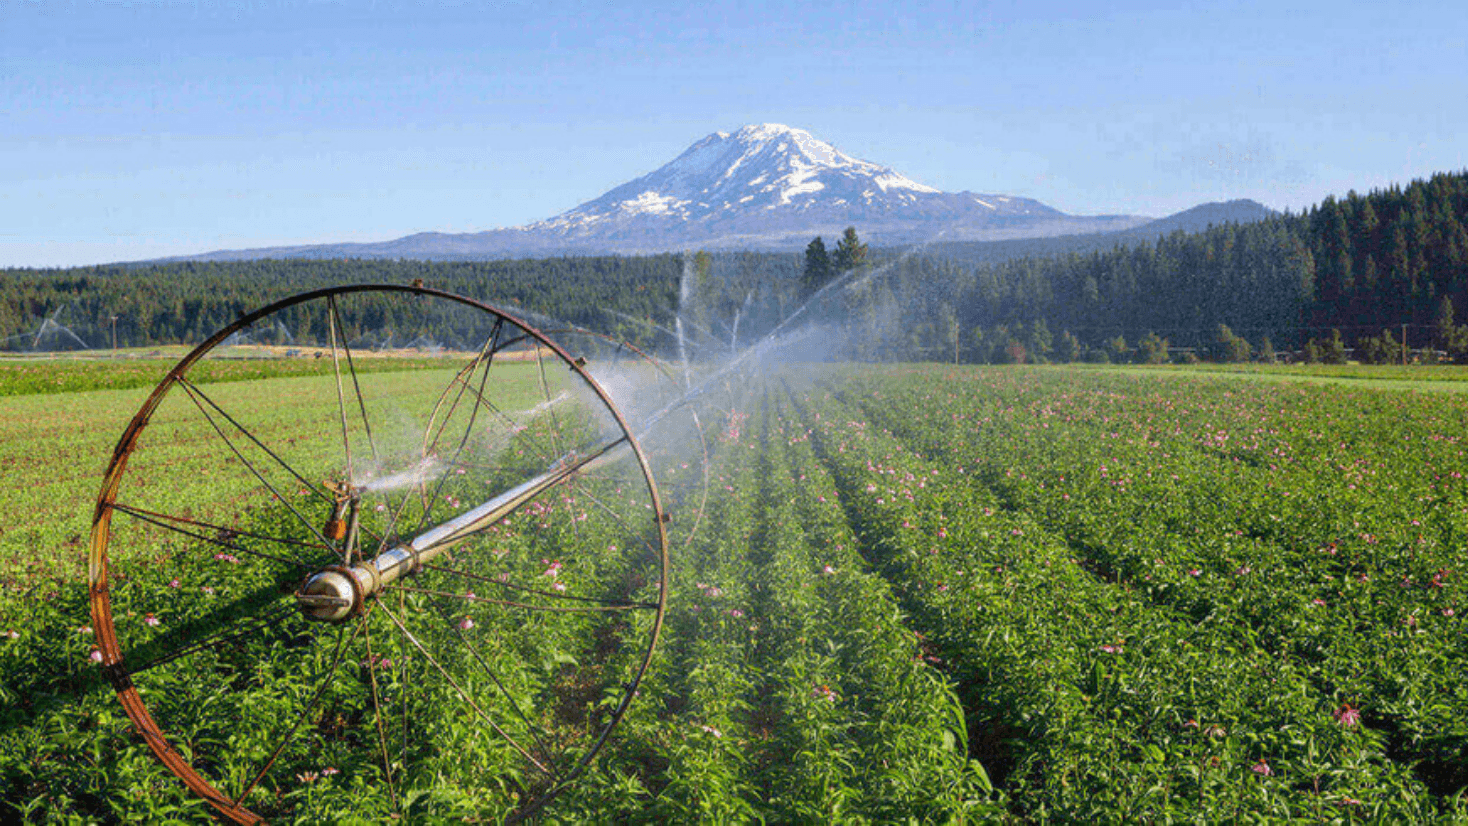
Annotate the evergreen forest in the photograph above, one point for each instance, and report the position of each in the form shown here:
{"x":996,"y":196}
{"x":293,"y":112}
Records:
{"x":1361,"y":274}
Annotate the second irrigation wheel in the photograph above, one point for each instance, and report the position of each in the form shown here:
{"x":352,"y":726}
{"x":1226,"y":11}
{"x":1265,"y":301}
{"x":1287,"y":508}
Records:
{"x":423,"y":559}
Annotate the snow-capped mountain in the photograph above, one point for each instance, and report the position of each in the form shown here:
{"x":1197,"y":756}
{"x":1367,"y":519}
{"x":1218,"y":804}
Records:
{"x":760,"y":168}
{"x":766,"y":186}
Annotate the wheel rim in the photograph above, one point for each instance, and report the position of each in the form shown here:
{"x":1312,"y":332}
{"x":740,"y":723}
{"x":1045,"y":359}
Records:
{"x":502,"y":664}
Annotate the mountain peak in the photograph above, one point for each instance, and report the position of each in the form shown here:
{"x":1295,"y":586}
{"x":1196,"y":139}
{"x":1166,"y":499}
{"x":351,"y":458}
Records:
{"x":766,"y":131}
{"x":762,"y":186}
{"x":760,"y":168}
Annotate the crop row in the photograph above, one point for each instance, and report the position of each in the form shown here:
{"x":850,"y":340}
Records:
{"x":1305,"y":638}
{"x":789,"y":687}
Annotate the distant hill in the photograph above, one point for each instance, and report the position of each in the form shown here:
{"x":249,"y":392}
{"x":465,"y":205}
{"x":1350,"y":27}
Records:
{"x":1201,"y":217}
{"x":1197,"y":219}
{"x":764,"y":187}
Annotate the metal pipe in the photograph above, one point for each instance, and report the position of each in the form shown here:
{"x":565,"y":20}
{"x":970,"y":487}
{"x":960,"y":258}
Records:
{"x":336,"y":593}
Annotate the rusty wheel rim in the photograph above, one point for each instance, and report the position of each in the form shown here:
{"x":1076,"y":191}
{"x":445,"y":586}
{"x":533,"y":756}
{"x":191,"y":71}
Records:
{"x":463,"y":626}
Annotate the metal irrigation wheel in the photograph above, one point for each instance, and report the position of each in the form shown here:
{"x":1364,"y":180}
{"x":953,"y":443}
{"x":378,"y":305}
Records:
{"x":384,"y":570}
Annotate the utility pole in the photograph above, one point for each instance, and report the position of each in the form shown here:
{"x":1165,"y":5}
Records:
{"x":114,"y":334}
{"x":1404,"y":345}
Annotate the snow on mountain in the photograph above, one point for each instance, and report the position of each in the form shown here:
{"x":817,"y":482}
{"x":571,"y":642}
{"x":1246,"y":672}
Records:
{"x":760,"y":167}
{"x":766,"y":186}
{"x":771,"y":186}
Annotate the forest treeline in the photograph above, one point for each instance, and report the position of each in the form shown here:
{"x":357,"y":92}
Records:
{"x":185,"y":302}
{"x":1348,"y":273}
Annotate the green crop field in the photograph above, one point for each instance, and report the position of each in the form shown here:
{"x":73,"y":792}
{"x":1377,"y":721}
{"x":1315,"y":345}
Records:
{"x":915,"y":593}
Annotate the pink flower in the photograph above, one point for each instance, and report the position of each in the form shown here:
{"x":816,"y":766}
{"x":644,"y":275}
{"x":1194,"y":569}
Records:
{"x":150,"y":620}
{"x":173,"y":583}
{"x":1348,"y":716}
{"x":1262,"y":768}
{"x":465,"y":624}
{"x":828,"y":570}
{"x":11,"y":633}
{"x":1111,"y":649}
{"x":96,"y":656}
{"x":208,"y":591}
{"x":711,"y":730}
{"x":823,"y":692}
{"x":224,"y":557}
{"x":1195,"y":572}
{"x":329,"y":771}
{"x":559,"y":586}
{"x":736,"y":613}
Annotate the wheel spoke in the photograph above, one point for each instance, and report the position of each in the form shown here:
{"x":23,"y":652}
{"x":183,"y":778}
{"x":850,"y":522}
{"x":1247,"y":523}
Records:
{"x":515,"y":744}
{"x":377,"y":712}
{"x":529,"y":726}
{"x":620,"y":520}
{"x":192,"y":390}
{"x":545,"y":394}
{"x":196,"y":393}
{"x":356,"y":385}
{"x":486,"y":356}
{"x":342,"y":640}
{"x":515,"y":427}
{"x":222,"y":536}
{"x":270,"y":618}
{"x":334,"y":325}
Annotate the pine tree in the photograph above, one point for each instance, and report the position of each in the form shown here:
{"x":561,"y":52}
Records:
{"x":1444,"y":327}
{"x":1069,"y":348}
{"x":1039,"y":341}
{"x":850,"y":252}
{"x":817,"y":268}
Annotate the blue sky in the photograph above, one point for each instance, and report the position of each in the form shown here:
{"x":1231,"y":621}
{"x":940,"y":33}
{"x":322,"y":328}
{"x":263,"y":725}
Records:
{"x":142,"y":129}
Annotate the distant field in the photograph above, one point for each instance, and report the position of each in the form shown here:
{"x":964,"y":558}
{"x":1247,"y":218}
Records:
{"x":1451,"y":378}
{"x":145,"y":368}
